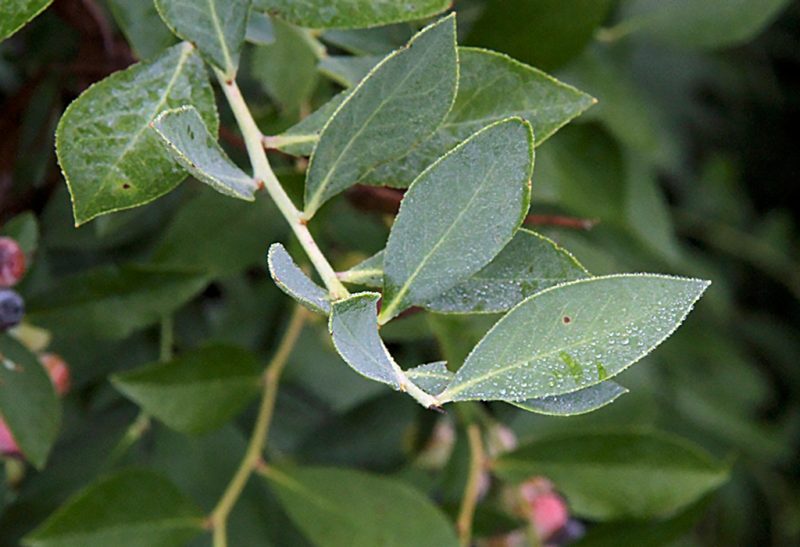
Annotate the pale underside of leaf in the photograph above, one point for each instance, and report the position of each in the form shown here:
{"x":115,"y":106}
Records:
{"x":354,"y":327}
{"x":578,"y":402}
{"x":293,"y":281}
{"x":188,"y":140}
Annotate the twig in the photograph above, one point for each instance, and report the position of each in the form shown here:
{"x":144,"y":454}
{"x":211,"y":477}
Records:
{"x":218,"y":520}
{"x":263,"y":172}
{"x":560,"y":221}
{"x":471,"y":492}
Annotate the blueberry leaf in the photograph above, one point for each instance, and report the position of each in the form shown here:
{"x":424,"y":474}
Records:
{"x":130,"y":507}
{"x":379,"y":511}
{"x":574,"y":336}
{"x":350,"y":13}
{"x":111,"y":159}
{"x":458,"y":215}
{"x":197,"y":392}
{"x":400,"y":103}
{"x":616,"y":474}
{"x":28,"y":402}
{"x":578,"y":402}
{"x":190,"y":143}
{"x":17,"y":13}
{"x":217,"y":28}
{"x":293,"y":281}
{"x":529,"y":264}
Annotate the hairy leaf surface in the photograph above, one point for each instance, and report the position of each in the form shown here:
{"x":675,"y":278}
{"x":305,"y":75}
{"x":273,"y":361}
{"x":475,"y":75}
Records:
{"x":111,"y":159}
{"x":400,"y":103}
{"x":458,"y":215}
{"x":573,"y":336}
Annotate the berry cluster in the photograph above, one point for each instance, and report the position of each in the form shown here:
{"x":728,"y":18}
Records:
{"x":12,"y":268}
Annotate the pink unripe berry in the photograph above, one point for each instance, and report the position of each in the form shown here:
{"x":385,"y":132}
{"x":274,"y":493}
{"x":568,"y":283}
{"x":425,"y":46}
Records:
{"x":549,"y":514}
{"x":8,"y":446}
{"x":12,"y":262}
{"x":58,"y":370}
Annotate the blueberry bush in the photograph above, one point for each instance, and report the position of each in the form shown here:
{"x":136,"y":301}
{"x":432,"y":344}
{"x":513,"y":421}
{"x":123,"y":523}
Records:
{"x":361,"y":273}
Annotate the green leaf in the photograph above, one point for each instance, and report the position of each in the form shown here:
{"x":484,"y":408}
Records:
{"x":573,"y":336}
{"x":491,"y":87}
{"x":293,"y":281}
{"x":348,"y":70}
{"x":18,"y":13}
{"x":287,"y":68}
{"x":354,"y":328}
{"x":578,"y":402}
{"x":432,"y":377}
{"x":196,"y":393}
{"x":529,"y":264}
{"x":400,"y":103}
{"x":215,"y":27}
{"x":218,"y":236}
{"x":300,"y":139}
{"x":616,"y":474}
{"x":28,"y":402}
{"x":142,"y":26}
{"x":350,"y":13}
{"x":110,"y":158}
{"x":705,"y":25}
{"x":458,"y":215}
{"x":543,"y":33}
{"x":189,"y":142}
{"x":260,"y":30}
{"x":378,"y":511}
{"x":134,"y":508}
{"x":111,"y":301}
{"x":516,"y":90}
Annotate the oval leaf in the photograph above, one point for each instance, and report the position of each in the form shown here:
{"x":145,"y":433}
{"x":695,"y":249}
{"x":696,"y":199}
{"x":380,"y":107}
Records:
{"x":216,"y":27}
{"x":188,"y":140}
{"x":110,"y":158}
{"x":529,"y":264}
{"x":611,"y":475}
{"x":293,"y":281}
{"x":458,"y":215}
{"x":17,"y":13}
{"x":354,"y":327}
{"x":573,"y":336}
{"x":196,"y":393}
{"x":578,"y":402}
{"x":131,"y":508}
{"x":28,"y":402}
{"x":379,"y":510}
{"x":112,"y":302}
{"x":400,"y":103}
{"x":491,"y":87}
{"x":350,"y":13}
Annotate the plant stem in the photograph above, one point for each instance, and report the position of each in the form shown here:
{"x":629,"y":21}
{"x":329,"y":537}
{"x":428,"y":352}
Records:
{"x":218,"y":519}
{"x":470,"y":499}
{"x":263,"y":172}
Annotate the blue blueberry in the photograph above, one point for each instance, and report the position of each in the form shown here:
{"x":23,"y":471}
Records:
{"x":12,"y":309}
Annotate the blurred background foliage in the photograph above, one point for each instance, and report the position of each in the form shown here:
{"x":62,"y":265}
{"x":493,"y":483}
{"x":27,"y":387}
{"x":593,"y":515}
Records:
{"x":688,"y":164}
